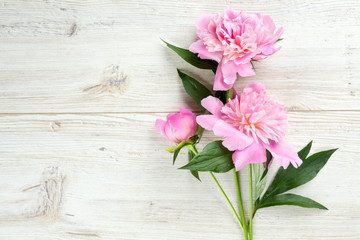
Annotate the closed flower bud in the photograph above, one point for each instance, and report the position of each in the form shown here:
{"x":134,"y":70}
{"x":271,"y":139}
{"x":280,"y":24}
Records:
{"x":178,"y":127}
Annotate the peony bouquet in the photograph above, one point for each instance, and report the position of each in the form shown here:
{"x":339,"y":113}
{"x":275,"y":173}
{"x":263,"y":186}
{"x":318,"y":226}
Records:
{"x":250,"y":125}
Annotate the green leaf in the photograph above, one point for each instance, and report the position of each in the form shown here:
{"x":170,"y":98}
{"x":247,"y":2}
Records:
{"x":195,"y":89}
{"x":268,"y":160}
{"x":294,"y":177}
{"x":214,"y":157}
{"x":291,"y":199}
{"x":193,"y":172}
{"x":176,"y":153}
{"x":176,"y":150}
{"x":259,"y":182}
{"x":193,"y":58}
{"x":302,"y":155}
{"x":305,"y":151}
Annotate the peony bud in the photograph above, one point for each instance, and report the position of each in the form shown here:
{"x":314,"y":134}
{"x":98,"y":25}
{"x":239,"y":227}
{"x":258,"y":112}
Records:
{"x":178,"y":127}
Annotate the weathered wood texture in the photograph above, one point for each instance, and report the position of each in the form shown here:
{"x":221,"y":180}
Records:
{"x":82,"y":83}
{"x":106,"y":56}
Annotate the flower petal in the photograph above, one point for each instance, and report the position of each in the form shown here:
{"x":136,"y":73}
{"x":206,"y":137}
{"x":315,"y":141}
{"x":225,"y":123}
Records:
{"x":278,"y":34}
{"x":204,"y":21}
{"x":219,"y":84}
{"x":160,"y":125}
{"x":207,"y":121}
{"x":186,"y":111}
{"x":245,"y":70}
{"x":229,"y":70}
{"x":199,"y":48}
{"x":169,"y":133}
{"x":256,"y":87}
{"x":213,"y":105}
{"x":183,"y":126}
{"x":234,"y":139}
{"x":255,"y":153}
{"x":284,"y":153}
{"x":268,"y":23}
{"x":269,"y":50}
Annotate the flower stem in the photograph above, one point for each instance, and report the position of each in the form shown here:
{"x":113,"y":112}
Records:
{"x":236,"y":177}
{"x":193,"y":149}
{"x":251,"y":202}
{"x":227,"y":199}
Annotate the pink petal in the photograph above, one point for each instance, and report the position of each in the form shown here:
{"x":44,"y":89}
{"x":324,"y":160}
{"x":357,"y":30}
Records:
{"x":230,"y":13}
{"x":245,"y":70}
{"x":284,"y":153}
{"x":268,"y":50}
{"x":213,"y":105}
{"x":234,"y":139}
{"x":229,"y":70}
{"x":204,"y":21}
{"x":219,"y":84}
{"x":160,"y":125}
{"x":181,"y":127}
{"x":269,"y":24}
{"x":199,"y":48}
{"x":185,"y":111}
{"x":256,"y":87}
{"x":170,"y":115}
{"x":207,"y":121}
{"x":255,"y":153}
{"x":169,"y":133}
{"x":245,"y":59}
{"x":278,"y":34}
{"x":259,"y":57}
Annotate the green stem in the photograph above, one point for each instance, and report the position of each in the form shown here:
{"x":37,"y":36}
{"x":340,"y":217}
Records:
{"x":251,"y":202}
{"x":236,"y":177}
{"x":227,"y":199}
{"x":229,"y":96}
{"x":193,"y":149}
{"x":173,"y":149}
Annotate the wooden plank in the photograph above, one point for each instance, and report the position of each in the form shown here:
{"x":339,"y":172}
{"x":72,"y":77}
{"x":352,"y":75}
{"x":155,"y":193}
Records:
{"x":102,"y":173}
{"x":106,"y":56}
{"x":107,"y":176}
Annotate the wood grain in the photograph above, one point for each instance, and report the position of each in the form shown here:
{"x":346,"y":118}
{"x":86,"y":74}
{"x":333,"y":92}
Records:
{"x":82,"y":175}
{"x":104,"y":56}
{"x":82,"y":83}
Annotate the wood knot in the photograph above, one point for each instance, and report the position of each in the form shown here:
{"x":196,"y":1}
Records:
{"x":50,"y":194}
{"x":72,"y":30}
{"x":114,"y":81}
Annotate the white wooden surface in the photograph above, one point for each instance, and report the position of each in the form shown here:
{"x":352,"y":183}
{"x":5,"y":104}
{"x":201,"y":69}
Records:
{"x":82,"y":83}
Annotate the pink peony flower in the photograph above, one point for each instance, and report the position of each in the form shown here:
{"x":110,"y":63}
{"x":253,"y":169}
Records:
{"x":233,"y":39}
{"x":178,"y":127}
{"x":250,"y":123}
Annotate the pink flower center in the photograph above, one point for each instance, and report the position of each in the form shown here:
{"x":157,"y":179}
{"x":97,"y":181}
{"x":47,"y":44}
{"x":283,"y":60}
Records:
{"x":236,"y":36}
{"x":256,"y":115}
